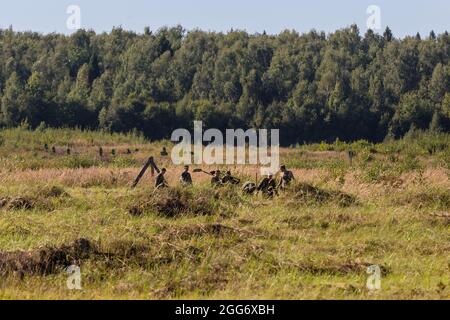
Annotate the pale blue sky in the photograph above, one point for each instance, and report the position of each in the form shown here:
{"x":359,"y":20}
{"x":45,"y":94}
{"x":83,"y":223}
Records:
{"x":404,"y":17}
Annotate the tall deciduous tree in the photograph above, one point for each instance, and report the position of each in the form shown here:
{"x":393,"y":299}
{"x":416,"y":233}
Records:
{"x":15,"y":108}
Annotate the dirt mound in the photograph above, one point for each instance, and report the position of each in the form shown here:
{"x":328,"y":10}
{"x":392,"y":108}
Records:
{"x":3,"y":202}
{"x":146,"y":254}
{"x":38,"y":197}
{"x":173,"y":203}
{"x":117,"y":254}
{"x":42,"y":199}
{"x":169,"y":203}
{"x":311,"y":194}
{"x":17,"y":203}
{"x":45,"y":260}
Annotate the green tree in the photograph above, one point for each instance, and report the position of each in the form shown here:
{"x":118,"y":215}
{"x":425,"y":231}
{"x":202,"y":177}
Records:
{"x":15,"y":108}
{"x":36,"y":91}
{"x":101,"y":93}
{"x":387,"y":35}
{"x":78,"y":101}
{"x":411,"y":111}
{"x":439,"y":84}
{"x":436,"y":122}
{"x":80,"y":91}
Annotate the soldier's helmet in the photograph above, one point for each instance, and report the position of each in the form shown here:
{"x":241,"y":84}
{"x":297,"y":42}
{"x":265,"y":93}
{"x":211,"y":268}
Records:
{"x":249,"y":187}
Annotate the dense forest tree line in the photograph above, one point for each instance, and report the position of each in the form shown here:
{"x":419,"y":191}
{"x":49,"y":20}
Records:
{"x":311,"y":86}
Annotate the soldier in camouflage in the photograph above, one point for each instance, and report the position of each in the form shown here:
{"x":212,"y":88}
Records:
{"x":249,"y":187}
{"x":160,"y":181}
{"x":164,"y":152}
{"x":268,"y":186}
{"x":185,"y":178}
{"x":228,"y":178}
{"x":216,"y":181}
{"x":286,"y":178}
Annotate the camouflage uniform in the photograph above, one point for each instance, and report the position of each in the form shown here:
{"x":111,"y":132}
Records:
{"x":270,"y":192}
{"x":228,"y":178}
{"x":216,"y":181}
{"x":268,"y":186}
{"x":160,"y":181}
{"x":186,"y":178}
{"x":286,"y":179}
{"x":249,"y":187}
{"x":164,"y":152}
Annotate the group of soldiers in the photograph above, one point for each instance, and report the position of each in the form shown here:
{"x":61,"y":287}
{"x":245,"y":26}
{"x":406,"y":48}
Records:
{"x":268,"y":186}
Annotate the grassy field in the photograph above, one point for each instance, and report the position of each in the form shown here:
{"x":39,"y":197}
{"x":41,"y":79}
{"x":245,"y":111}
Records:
{"x":389,"y":207}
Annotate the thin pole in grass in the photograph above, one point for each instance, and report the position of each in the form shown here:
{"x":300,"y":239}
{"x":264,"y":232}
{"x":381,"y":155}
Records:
{"x":351,"y":155}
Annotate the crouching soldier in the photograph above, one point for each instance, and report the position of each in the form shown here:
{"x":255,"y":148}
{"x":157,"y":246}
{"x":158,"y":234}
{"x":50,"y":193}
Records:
{"x":164,"y":152}
{"x":271,"y":192}
{"x":215,"y":180}
{"x":228,"y":178}
{"x":268,"y":186}
{"x":160,"y":181}
{"x":286,"y":178}
{"x":249,"y":187}
{"x":185,"y":178}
